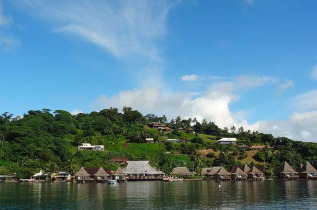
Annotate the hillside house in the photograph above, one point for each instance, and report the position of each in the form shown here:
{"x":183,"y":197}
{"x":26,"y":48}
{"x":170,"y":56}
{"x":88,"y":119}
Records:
{"x":89,"y":147}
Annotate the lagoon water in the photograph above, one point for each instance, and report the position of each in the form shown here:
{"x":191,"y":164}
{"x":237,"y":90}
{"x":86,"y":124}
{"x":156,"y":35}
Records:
{"x":161,"y":195}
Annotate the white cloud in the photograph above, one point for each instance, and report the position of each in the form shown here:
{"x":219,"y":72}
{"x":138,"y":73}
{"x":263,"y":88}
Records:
{"x":123,"y":28}
{"x":191,"y":77}
{"x":250,"y":2}
{"x":314,"y":73}
{"x":286,"y":85}
{"x":76,"y":112}
{"x":306,"y":101}
{"x":253,"y":81}
{"x":4,"y":21}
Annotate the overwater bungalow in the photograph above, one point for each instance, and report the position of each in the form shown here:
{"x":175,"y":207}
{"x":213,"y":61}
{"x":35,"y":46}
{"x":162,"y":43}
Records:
{"x":222,"y":174}
{"x":141,"y":170}
{"x":287,"y":172}
{"x":209,"y":173}
{"x":237,"y":174}
{"x":99,"y":174}
{"x":119,"y":175}
{"x":255,"y":173}
{"x":307,"y":171}
{"x":83,"y":176}
{"x":182,"y":172}
{"x":3,"y":178}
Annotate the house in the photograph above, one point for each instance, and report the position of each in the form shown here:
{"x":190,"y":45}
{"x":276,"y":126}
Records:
{"x":165,"y":129}
{"x":238,"y":174}
{"x":156,"y":125}
{"x":255,"y":173}
{"x":222,"y":174}
{"x":256,"y":148}
{"x":191,"y":130}
{"x":227,"y":141}
{"x":61,"y":176}
{"x":287,"y":172}
{"x":4,"y":177}
{"x":243,"y":147}
{"x":209,"y":173}
{"x":87,"y":146}
{"x":181,"y":171}
{"x":82,"y":175}
{"x":180,"y":129}
{"x":149,"y":140}
{"x":245,"y":168}
{"x":119,"y":175}
{"x":100,"y":174}
{"x":120,"y":160}
{"x":40,"y":176}
{"x":307,"y":171}
{"x":141,"y":170}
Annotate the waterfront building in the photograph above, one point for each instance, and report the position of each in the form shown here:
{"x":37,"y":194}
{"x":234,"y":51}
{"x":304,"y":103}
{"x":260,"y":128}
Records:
{"x":255,"y":173}
{"x":222,"y":174}
{"x":181,"y":171}
{"x":209,"y":173}
{"x":61,"y":176}
{"x":87,"y":146}
{"x":141,"y":170}
{"x":40,"y":176}
{"x":287,"y":172}
{"x":100,"y":174}
{"x":82,"y":175}
{"x":119,"y":175}
{"x":238,"y":174}
{"x":307,"y":171}
{"x":227,"y":141}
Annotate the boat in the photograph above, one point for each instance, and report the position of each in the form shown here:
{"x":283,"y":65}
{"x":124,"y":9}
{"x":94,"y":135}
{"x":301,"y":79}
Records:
{"x":112,"y":181}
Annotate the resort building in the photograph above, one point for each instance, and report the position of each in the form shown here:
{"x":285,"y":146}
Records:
{"x":100,"y":174}
{"x":227,"y":141}
{"x":181,"y":171}
{"x":82,"y":175}
{"x":307,"y":171}
{"x":165,"y":129}
{"x":120,"y":160}
{"x":287,"y":172}
{"x":244,"y":147}
{"x":209,"y":173}
{"x":61,"y":176}
{"x":256,"y":148}
{"x":238,"y":174}
{"x":119,"y":175}
{"x":4,"y":177}
{"x":222,"y":174}
{"x":255,"y":173}
{"x":87,"y":146}
{"x":141,"y":170}
{"x":156,"y":125}
{"x":149,"y":140}
{"x":40,"y":176}
{"x":191,"y":130}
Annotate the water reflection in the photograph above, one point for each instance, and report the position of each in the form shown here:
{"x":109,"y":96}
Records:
{"x":152,"y":195}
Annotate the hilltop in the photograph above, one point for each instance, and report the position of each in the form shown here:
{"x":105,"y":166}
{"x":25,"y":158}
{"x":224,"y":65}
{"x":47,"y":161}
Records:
{"x":42,"y":139}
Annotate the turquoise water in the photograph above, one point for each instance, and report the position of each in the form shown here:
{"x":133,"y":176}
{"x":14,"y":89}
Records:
{"x":161,"y":195}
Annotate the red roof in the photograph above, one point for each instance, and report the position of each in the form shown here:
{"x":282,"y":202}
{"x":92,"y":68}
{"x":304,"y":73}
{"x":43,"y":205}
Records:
{"x":119,"y":159}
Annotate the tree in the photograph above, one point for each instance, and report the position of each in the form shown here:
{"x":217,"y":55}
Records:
{"x":233,"y":129}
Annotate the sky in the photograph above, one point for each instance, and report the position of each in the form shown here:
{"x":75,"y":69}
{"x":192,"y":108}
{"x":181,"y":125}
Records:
{"x":250,"y":63}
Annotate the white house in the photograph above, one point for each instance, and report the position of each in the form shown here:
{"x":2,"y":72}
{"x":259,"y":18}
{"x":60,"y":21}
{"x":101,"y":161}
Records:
{"x":227,"y":141}
{"x":87,"y":146}
{"x":149,"y":140}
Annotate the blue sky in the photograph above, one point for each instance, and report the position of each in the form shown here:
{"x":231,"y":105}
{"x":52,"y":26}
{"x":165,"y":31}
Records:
{"x":250,"y":63}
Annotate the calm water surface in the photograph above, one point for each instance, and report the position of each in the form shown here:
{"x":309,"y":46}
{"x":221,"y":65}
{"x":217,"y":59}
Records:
{"x":161,"y":195}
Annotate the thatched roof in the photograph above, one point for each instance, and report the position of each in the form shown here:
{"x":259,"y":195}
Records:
{"x":255,"y":170}
{"x":181,"y":171}
{"x":82,"y":172}
{"x":119,"y":172}
{"x":286,"y":169}
{"x":93,"y":171}
{"x":101,"y":172}
{"x":238,"y":171}
{"x":205,"y":171}
{"x":245,"y":168}
{"x":222,"y":171}
{"x":140,"y":167}
{"x":307,"y":168}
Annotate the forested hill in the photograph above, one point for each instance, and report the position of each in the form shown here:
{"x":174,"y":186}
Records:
{"x":48,"y":140}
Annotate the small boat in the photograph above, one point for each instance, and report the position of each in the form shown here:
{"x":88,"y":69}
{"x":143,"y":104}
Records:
{"x":112,"y":181}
